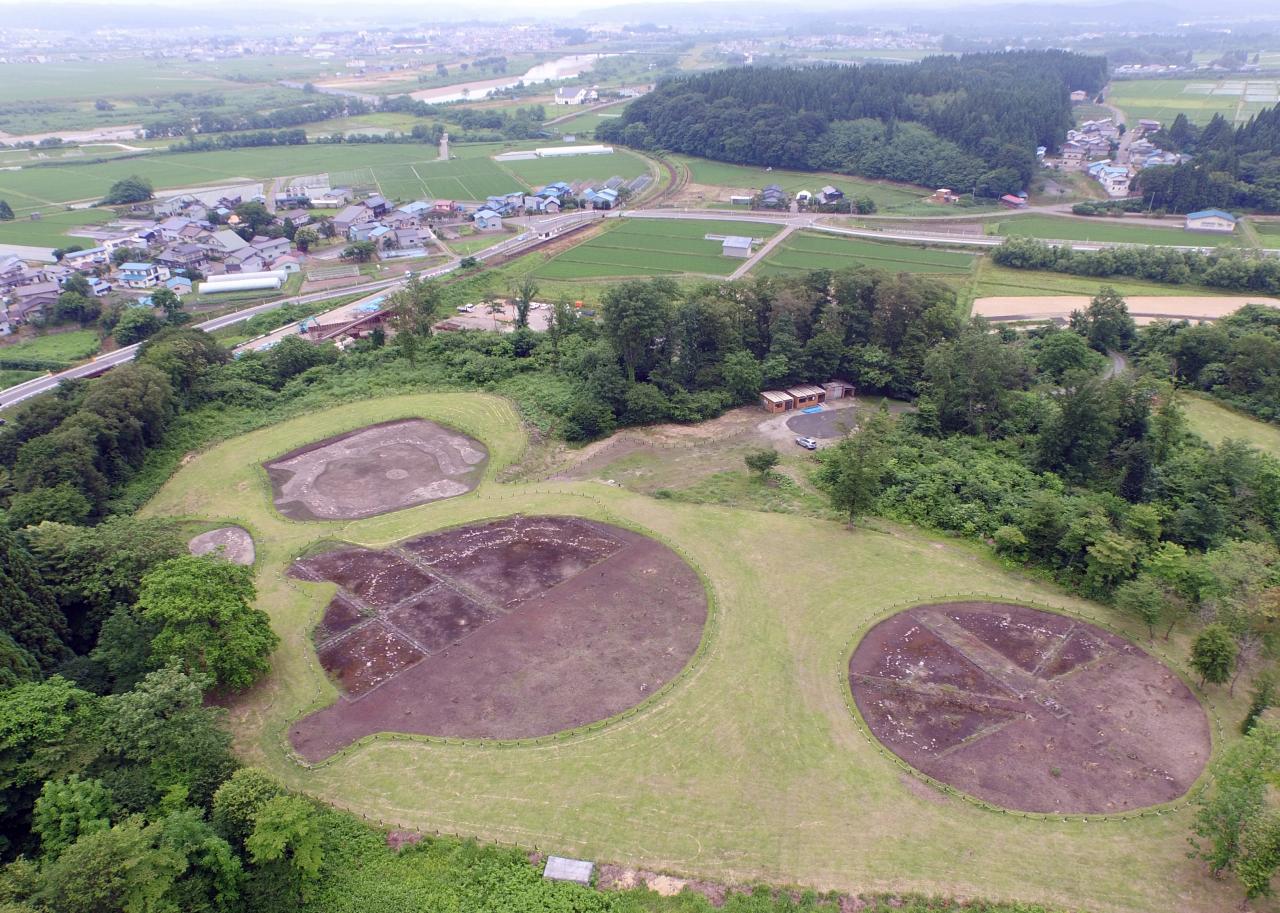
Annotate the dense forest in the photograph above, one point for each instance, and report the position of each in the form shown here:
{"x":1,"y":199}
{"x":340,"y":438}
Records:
{"x":112,"y":763}
{"x":1231,"y":167}
{"x":960,"y":122}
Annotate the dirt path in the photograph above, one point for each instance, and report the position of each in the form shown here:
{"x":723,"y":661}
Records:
{"x":763,"y":252}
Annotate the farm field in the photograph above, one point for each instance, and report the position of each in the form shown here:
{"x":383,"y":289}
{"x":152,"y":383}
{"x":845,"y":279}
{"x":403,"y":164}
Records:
{"x":1216,"y":423}
{"x":1164,"y":99}
{"x":805,"y":251}
{"x":790,"y":594}
{"x":1266,"y":229}
{"x":888,"y":197}
{"x":399,"y":171}
{"x":1104,"y":229}
{"x":652,"y":247}
{"x":586,"y":122}
{"x":55,"y":229}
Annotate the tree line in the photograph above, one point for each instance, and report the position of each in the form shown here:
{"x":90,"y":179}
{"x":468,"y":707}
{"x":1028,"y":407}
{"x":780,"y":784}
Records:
{"x":1230,"y":167}
{"x":968,"y":121}
{"x":1225,"y":268}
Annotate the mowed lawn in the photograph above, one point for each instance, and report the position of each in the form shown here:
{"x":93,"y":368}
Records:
{"x":1216,"y":423}
{"x":887,"y":196}
{"x":653,"y":247}
{"x":1129,"y":231}
{"x":751,"y":767}
{"x":806,"y":251}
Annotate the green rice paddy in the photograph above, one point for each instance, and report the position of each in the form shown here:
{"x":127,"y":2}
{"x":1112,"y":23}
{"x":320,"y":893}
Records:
{"x":807,"y":251}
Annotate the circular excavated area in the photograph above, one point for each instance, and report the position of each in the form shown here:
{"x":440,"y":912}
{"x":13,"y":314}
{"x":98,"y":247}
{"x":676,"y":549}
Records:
{"x":1028,"y":709}
{"x":830,"y":423}
{"x":376,"y":470}
{"x":229,"y":542}
{"x":508,"y":629}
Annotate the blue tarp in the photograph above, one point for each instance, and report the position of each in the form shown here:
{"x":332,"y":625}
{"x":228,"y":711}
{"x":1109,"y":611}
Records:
{"x":812,"y":409}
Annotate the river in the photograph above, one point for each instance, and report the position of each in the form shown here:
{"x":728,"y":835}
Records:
{"x":562,"y":68}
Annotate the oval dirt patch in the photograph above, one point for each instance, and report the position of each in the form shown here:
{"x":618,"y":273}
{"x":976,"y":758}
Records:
{"x":230,"y":542}
{"x":1029,"y":710}
{"x":510,"y":629}
{"x":376,"y":470}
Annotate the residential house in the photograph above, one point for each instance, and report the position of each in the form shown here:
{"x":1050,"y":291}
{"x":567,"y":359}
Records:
{"x":772,"y":197}
{"x":179,"y":285}
{"x":411,"y":237}
{"x":182,"y":257}
{"x":361,"y":230}
{"x":171,"y":228}
{"x":226,"y":242}
{"x":287,"y":263}
{"x":1214,"y":220}
{"x":327,"y":197}
{"x":33,"y":302}
{"x":142,"y":275}
{"x":14,"y":272}
{"x":488,"y":220}
{"x":351,"y":215}
{"x":1079,"y":97}
{"x":571,"y":95}
{"x":99,"y":288}
{"x":600,"y":199}
{"x":1012,"y":202}
{"x":943,"y":195}
{"x":377,"y":205}
{"x":247,"y":260}
{"x":830,"y":194}
{"x":382,"y":235}
{"x":270,"y":248}
{"x":87,"y":260}
{"x":299,"y":217}
{"x":1146,"y":125}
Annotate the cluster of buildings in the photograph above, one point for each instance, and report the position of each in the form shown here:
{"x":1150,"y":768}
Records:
{"x":804,"y":396}
{"x":395,"y":231}
{"x":1095,"y":148}
{"x":180,"y":241}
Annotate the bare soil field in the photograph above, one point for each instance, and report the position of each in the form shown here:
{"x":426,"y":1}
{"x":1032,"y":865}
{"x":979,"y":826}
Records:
{"x":230,"y":542}
{"x":509,"y":629}
{"x":376,"y":470}
{"x":1029,"y":709}
{"x":1143,"y":308}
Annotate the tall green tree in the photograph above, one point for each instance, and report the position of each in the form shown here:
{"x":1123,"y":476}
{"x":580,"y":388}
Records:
{"x":1106,"y":323}
{"x":29,"y":613}
{"x":68,"y":809}
{"x":1213,"y":654}
{"x":636,"y":318}
{"x":524,"y":291}
{"x":286,"y":830}
{"x":1236,"y":798}
{"x":853,"y":471}
{"x":207,"y":620}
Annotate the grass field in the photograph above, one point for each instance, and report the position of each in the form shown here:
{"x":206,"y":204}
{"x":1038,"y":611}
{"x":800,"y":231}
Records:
{"x":55,"y":229}
{"x":888,"y":197}
{"x":1234,"y":98}
{"x":1266,"y":229}
{"x":1216,"y":423}
{"x":751,"y":767}
{"x":70,"y":346}
{"x":995,"y":280}
{"x":805,"y":251}
{"x":652,"y":247}
{"x":1118,"y":230}
{"x":399,"y":171}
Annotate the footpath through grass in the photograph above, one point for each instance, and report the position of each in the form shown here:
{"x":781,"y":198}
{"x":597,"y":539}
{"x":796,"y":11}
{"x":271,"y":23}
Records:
{"x":752,"y":767}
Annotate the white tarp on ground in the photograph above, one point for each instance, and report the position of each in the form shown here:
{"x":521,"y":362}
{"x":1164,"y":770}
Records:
{"x":561,"y":869}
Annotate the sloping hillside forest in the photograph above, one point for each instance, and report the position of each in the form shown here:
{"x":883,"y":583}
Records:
{"x":963,"y":122}
{"x":118,"y":787}
{"x":1231,"y":167}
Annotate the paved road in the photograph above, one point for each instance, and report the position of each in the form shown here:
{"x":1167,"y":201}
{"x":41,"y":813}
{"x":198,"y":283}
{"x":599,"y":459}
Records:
{"x":34,"y":387}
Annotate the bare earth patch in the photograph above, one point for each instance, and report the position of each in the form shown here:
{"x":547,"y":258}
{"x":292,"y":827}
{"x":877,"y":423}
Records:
{"x":514,"y":628}
{"x":1143,"y":308}
{"x":1028,"y":709}
{"x":230,"y":542}
{"x":376,"y":470}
